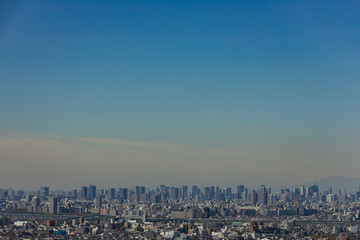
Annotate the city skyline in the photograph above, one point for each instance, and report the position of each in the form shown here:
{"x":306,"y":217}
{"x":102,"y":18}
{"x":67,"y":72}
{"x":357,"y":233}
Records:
{"x":167,"y":212}
{"x":179,"y":92}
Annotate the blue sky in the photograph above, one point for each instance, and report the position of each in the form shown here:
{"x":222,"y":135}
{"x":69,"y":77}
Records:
{"x":275,"y":78}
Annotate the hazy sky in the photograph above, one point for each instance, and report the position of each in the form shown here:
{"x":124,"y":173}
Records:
{"x":119,"y":93}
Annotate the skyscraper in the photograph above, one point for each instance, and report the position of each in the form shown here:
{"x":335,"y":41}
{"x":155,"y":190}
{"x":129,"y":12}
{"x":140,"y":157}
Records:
{"x":263,"y":194}
{"x":35,"y":204}
{"x":84,"y":192}
{"x":228,"y":193}
{"x":74,"y":193}
{"x":174,"y":193}
{"x":184,"y":192}
{"x":53,"y":205}
{"x":111,"y":193}
{"x":44,"y":191}
{"x":240,"y":190}
{"x":98,"y":202}
{"x":253,"y":197}
{"x":92,"y":192}
{"x":212,"y":192}
{"x":194,"y":191}
{"x":302,"y":190}
{"x":123,"y":193}
{"x":206,"y":191}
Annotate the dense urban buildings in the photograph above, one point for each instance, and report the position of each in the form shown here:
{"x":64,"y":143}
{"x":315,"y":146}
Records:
{"x":168,"y":212}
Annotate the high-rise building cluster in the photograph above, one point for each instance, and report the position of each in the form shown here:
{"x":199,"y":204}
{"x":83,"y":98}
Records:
{"x":187,"y":212}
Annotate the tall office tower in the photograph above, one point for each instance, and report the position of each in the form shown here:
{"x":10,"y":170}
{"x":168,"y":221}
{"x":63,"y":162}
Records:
{"x":84,"y":192}
{"x":98,"y":202}
{"x":139,"y":189}
{"x":184,"y":192}
{"x":111,"y":193}
{"x":163,"y":192}
{"x":152,"y":196}
{"x":312,"y":189}
{"x":174,"y":193}
{"x":228,"y":193}
{"x":123,"y":193}
{"x":29,"y":197}
{"x":246,"y":193}
{"x":315,"y":188}
{"x":240,"y":189}
{"x":253,"y":197}
{"x":53,"y":205}
{"x":302,"y":190}
{"x":92,"y":192}
{"x":194,"y":191}
{"x":44,"y":191}
{"x":357,"y":193}
{"x":205,"y":192}
{"x":35,"y":204}
{"x":74,"y":193}
{"x":212,"y":192}
{"x":268,"y":189}
{"x":217,"y":193}
{"x":271,"y":199}
{"x":136,"y":190}
{"x":263,"y":195}
{"x":139,"y":193}
{"x":133,"y":196}
{"x":102,"y":192}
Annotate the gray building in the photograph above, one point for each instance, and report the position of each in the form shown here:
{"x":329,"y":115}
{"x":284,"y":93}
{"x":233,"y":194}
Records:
{"x":53,"y":205}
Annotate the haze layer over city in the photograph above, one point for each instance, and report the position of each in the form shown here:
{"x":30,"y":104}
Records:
{"x":215,"y":93}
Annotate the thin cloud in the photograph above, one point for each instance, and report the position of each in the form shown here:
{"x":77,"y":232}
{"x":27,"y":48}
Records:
{"x":32,"y":160}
